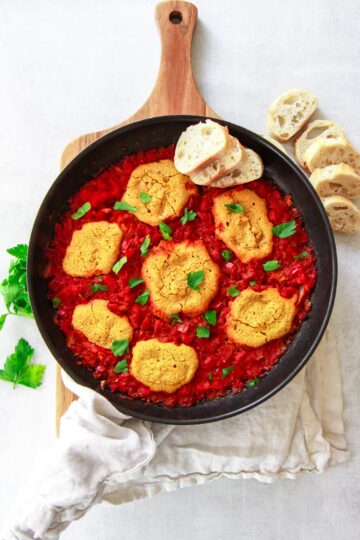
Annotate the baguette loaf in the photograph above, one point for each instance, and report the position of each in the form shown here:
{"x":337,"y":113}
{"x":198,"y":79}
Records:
{"x":344,"y":216}
{"x":340,"y":179}
{"x":221,"y":166}
{"x":324,"y":152}
{"x":318,"y":129}
{"x":249,"y":169}
{"x":289,"y":112}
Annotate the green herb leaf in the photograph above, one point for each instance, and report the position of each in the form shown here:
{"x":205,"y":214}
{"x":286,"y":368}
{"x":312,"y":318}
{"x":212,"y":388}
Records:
{"x":195,"y":279}
{"x":203,"y":331}
{"x":210,"y":377}
{"x":119,"y":264}
{"x":252,"y":283}
{"x":2,"y":320}
{"x":175,"y":318}
{"x":189,"y":215}
{"x":226,"y":255}
{"x":120,"y":346}
{"x":210,"y":316}
{"x":97,"y":287}
{"x":145,"y":197}
{"x":233,"y":291}
{"x":143,"y":298}
{"x":20,"y":251}
{"x":56,"y":302}
{"x":17,"y":368}
{"x":145,"y":246}
{"x":226,"y":370}
{"x":235,"y":208}
{"x":124,"y":206}
{"x":283,"y":230}
{"x":121,"y":366}
{"x":269,"y":266}
{"x":165,"y":230}
{"x":135,"y":281}
{"x":252,"y":382}
{"x":302,"y":255}
{"x":80,"y":212}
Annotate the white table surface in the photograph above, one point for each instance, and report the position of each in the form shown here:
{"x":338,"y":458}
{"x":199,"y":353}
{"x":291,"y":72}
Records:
{"x":74,"y":66}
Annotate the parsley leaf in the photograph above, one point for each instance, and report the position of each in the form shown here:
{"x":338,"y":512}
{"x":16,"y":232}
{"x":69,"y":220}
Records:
{"x":2,"y":320}
{"x":165,"y":230}
{"x":175,"y":318}
{"x":226,"y":370}
{"x":20,"y":251}
{"x":123,"y":205}
{"x":121,"y":366}
{"x":135,"y":281}
{"x":252,"y":283}
{"x":56,"y":302}
{"x":203,"y":331}
{"x":17,"y":368}
{"x":252,"y":382}
{"x":80,"y":212}
{"x":210,"y":377}
{"x":119,"y":264}
{"x":120,"y":346}
{"x":145,"y":197}
{"x":210,"y":316}
{"x":195,"y":279}
{"x":283,"y":230}
{"x":226,"y":255}
{"x":302,"y":255}
{"x":235,"y":208}
{"x":233,"y":291}
{"x":97,"y":287}
{"x":269,"y":266}
{"x":189,"y":215}
{"x":142,"y":298}
{"x":145,"y":246}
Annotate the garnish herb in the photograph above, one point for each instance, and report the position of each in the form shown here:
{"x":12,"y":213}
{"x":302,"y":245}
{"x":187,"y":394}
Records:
{"x":302,"y":255}
{"x":119,"y":264}
{"x":135,"y":281}
{"x":145,"y":197}
{"x":210,"y":316}
{"x":56,"y":302}
{"x":123,"y":205}
{"x":233,"y":290}
{"x":252,"y":283}
{"x":80,"y":212}
{"x":120,"y":346}
{"x":235,"y":208}
{"x":226,"y":370}
{"x":210,"y":377}
{"x":283,"y":230}
{"x":189,"y":215}
{"x":121,"y":366}
{"x":195,"y":279}
{"x":165,"y":230}
{"x":145,"y":246}
{"x":143,"y":298}
{"x":203,"y":331}
{"x":17,"y":368}
{"x":252,"y":382}
{"x":175,"y":318}
{"x":14,"y":287}
{"x":97,"y":287}
{"x":226,"y":255}
{"x":269,"y":266}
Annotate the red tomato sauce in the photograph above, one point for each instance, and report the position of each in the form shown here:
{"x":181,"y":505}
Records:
{"x":215,"y":352}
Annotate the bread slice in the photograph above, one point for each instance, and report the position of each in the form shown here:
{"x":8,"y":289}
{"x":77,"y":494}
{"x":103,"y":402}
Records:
{"x":251,"y":168}
{"x":318,"y":129}
{"x":344,"y":216}
{"x":221,"y":166}
{"x":276,"y":143}
{"x":199,"y":145}
{"x":324,"y":152}
{"x":289,"y":112}
{"x":340,"y":179}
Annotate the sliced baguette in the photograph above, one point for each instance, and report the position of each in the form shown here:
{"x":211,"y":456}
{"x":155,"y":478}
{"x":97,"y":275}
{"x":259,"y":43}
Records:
{"x":324,"y":152}
{"x":276,"y":143}
{"x":343,"y":215}
{"x":340,"y":179}
{"x":318,"y":129}
{"x":249,"y":169}
{"x":199,"y":145}
{"x":289,"y":112}
{"x":221,"y":166}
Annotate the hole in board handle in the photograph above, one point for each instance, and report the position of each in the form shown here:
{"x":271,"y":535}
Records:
{"x":175,"y":17}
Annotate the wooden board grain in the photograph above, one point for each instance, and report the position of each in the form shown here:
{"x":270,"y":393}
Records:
{"x":175,"y":92}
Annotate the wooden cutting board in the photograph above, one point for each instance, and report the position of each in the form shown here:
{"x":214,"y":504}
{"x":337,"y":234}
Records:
{"x":175,"y":92}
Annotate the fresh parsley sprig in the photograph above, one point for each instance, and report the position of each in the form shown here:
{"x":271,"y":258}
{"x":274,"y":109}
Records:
{"x":284,"y":230}
{"x":18,"y":370}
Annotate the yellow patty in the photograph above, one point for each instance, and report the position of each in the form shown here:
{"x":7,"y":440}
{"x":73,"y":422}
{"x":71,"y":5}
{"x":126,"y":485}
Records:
{"x":169,"y":191}
{"x":100,"y":325}
{"x":258,"y":317}
{"x":166,"y":271}
{"x":248,"y":234}
{"x":93,"y":249}
{"x":164,"y":367}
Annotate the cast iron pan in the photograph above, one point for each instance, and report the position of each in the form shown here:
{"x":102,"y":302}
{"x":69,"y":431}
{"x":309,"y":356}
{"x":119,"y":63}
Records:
{"x":162,"y":131}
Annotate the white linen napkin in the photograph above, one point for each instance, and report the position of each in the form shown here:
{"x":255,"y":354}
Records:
{"x":103,"y":455}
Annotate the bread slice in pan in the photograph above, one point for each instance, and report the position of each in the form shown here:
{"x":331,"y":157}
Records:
{"x":199,"y":145}
{"x":318,"y":129}
{"x":344,"y":216}
{"x":221,"y":166}
{"x":289,"y":112}
{"x":276,"y":143}
{"x":340,"y":179}
{"x":249,"y":169}
{"x":324,"y":152}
